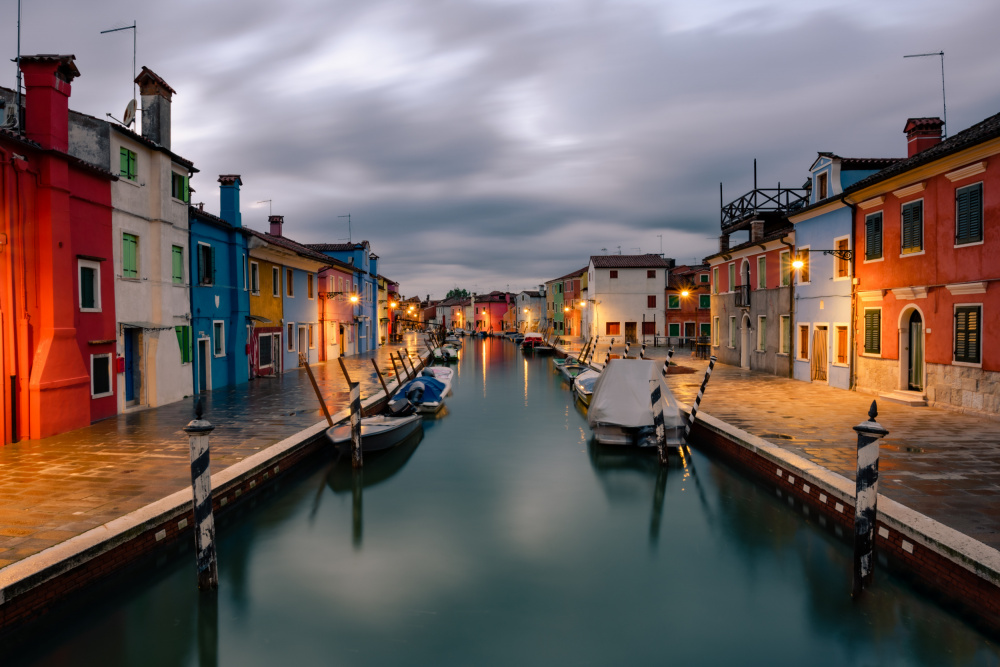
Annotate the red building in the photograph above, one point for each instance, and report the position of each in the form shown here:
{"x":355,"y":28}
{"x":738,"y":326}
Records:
{"x":336,"y":311}
{"x":57,"y":306}
{"x":688,"y":303}
{"x":927,"y":233}
{"x":490,"y":309}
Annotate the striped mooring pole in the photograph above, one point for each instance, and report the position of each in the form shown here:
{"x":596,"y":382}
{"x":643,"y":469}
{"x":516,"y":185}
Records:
{"x":355,"y":387}
{"x":656,"y":398}
{"x":701,"y":394}
{"x":198,"y":431}
{"x":865,"y":499}
{"x":666,"y":362}
{"x":642,"y":351}
{"x":627,"y":345}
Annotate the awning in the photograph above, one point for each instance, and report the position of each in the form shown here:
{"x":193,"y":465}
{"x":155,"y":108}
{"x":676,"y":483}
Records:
{"x":147,"y":325}
{"x":258,"y":318}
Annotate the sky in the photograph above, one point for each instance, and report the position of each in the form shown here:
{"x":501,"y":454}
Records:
{"x":497,"y":144}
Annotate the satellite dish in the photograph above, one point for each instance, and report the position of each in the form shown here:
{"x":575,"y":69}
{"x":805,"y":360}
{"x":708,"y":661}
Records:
{"x":129,"y":114}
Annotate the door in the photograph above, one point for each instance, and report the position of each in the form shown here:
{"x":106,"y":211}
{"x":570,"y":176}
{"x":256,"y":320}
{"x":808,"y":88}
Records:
{"x":130,"y":365}
{"x":745,"y":343}
{"x":689,"y":333}
{"x":303,"y":343}
{"x":630,"y":329}
{"x":204,"y":372}
{"x":276,"y":355}
{"x":341,"y":339}
{"x":916,"y":353}
{"x":819,"y":358}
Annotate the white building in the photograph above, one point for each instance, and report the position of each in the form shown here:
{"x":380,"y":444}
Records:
{"x":627,"y":294}
{"x":530,"y":306}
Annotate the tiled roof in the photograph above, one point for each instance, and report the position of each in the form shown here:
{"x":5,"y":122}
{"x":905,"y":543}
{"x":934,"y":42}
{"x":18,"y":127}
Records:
{"x":532,"y":293}
{"x":196,"y":212}
{"x":152,"y":144}
{"x":773,"y":236}
{"x":923,"y":124}
{"x":867,"y":162}
{"x":229,"y":179}
{"x":629,"y":261}
{"x":574,"y":274}
{"x":13,"y":135}
{"x":288,"y":244}
{"x":68,"y":67}
{"x":334,"y":247}
{"x":149,"y":74}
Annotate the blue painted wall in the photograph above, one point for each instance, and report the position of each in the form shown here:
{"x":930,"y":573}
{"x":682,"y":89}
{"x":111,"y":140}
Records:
{"x":301,"y":311}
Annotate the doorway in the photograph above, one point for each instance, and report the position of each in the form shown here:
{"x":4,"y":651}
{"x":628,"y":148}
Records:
{"x":133,"y":376}
{"x":819,"y":356}
{"x":303,"y":344}
{"x":745,"y":343}
{"x":204,"y":365}
{"x":915,"y":356}
{"x":630,"y":331}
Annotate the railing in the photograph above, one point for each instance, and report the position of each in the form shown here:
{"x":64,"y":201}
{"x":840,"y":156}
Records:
{"x":763,"y":200}
{"x":742,"y":296}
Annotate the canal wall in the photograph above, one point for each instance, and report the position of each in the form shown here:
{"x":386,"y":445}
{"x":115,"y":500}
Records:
{"x":29,"y":588}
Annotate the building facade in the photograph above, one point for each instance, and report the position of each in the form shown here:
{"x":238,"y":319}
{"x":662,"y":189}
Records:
{"x":688,"y":304}
{"x":359,"y":256}
{"x":627,"y":294}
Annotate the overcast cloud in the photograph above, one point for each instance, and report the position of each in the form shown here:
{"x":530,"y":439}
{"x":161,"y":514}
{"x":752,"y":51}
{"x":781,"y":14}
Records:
{"x":495,"y":143}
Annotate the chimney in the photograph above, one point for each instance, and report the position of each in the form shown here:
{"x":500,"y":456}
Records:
{"x":47,"y":80}
{"x":756,"y":230}
{"x":156,"y":96}
{"x":921,"y":134}
{"x":229,"y":199}
{"x":276,"y":222}
{"x":724,"y":243}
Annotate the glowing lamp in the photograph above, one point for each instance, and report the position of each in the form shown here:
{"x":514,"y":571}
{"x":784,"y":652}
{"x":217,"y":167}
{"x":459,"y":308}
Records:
{"x":685,"y":293}
{"x":798,"y":264}
{"x":354,"y":298}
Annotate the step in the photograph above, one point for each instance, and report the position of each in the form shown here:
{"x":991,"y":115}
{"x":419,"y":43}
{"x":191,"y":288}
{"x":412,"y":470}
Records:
{"x":914,"y":399}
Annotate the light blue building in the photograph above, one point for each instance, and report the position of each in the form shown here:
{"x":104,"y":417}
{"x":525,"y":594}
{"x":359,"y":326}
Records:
{"x":360,"y":256}
{"x":822,"y":335}
{"x":220,"y":300}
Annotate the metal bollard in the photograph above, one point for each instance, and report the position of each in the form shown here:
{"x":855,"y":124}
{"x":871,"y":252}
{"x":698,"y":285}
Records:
{"x":866,"y":499}
{"x":198,"y":431}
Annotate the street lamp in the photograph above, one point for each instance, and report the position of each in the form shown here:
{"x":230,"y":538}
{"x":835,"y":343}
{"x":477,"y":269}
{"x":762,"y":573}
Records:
{"x":685,"y":294}
{"x":354,"y":298}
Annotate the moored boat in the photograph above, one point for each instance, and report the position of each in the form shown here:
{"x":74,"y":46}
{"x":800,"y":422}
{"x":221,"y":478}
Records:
{"x":583,"y":385}
{"x":441,"y":373}
{"x":621,"y":412}
{"x":378,"y":432}
{"x":424,"y":394}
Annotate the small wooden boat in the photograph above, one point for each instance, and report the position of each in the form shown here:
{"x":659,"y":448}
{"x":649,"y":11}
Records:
{"x":378,"y":432}
{"x":533,"y":342}
{"x":571,"y":369}
{"x":621,"y":411}
{"x":583,"y":385}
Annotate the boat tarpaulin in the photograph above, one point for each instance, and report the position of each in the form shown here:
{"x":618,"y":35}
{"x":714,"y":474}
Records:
{"x":622,"y":395}
{"x":425,"y":389}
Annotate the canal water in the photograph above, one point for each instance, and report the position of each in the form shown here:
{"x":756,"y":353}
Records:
{"x":504,"y":537}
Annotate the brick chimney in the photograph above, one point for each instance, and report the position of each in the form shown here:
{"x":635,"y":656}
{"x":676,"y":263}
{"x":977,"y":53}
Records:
{"x":276,"y":222}
{"x":921,"y":134}
{"x":156,"y":96}
{"x":756,"y":230}
{"x":229,"y":199}
{"x":47,"y":80}
{"x":724,"y":243}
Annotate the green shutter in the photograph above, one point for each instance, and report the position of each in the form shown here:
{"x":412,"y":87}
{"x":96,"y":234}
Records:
{"x":912,"y":227}
{"x":675,"y":329}
{"x":184,"y":342}
{"x":123,"y":171}
{"x":130,"y":267}
{"x":969,"y":214}
{"x":178,"y":256}
{"x":86,"y":287}
{"x":873,"y":236}
{"x":873,"y":331}
{"x":967,"y":334}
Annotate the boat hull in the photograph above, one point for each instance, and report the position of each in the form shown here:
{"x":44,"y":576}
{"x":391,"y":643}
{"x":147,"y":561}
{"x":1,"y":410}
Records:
{"x":378,"y":432}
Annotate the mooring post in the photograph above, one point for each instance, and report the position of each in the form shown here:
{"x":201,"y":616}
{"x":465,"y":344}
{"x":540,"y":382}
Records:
{"x":198,"y":431}
{"x":656,"y":399}
{"x":403,"y":364}
{"x":627,"y":346}
{"x":865,"y":499}
{"x":399,"y":378}
{"x":666,"y":362}
{"x":355,"y":387}
{"x":642,"y":351}
{"x":304,"y":361}
{"x":385,"y":388}
{"x":697,"y":400}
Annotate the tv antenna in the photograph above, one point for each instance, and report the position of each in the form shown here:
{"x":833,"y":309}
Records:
{"x":944,"y":102}
{"x":128,"y":118}
{"x":268,"y":202}
{"x":660,"y":236}
{"x":15,"y":119}
{"x":348,"y":216}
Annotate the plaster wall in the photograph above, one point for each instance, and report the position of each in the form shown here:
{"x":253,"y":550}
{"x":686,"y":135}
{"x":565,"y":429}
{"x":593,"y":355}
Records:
{"x":625,"y":299}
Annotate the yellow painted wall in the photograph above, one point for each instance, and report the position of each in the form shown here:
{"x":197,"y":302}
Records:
{"x":265,"y":304}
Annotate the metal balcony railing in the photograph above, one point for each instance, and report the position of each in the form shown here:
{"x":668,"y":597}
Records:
{"x":742,"y":296}
{"x":763,"y":200}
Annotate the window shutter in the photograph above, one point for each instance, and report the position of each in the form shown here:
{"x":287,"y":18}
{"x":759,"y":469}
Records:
{"x":967,"y":334}
{"x":87,"y":287}
{"x":912,"y":228}
{"x":186,"y":193}
{"x":211,"y":254}
{"x":873,"y":331}
{"x":969,"y":214}
{"x":123,"y":170}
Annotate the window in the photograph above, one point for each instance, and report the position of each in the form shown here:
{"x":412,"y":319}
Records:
{"x":130,"y":256}
{"x":614,"y":274}
{"x":873,"y":236}
{"x":264,"y":346}
{"x":673,"y":301}
{"x":840,"y":344}
{"x":715,"y":332}
{"x":913,"y":227}
{"x":821,"y":186}
{"x":703,"y":278}
{"x":309,"y":285}
{"x":674,"y":329}
{"x":732,"y":331}
{"x":715,"y":280}
{"x":803,"y":256}
{"x":732,"y":277}
{"x":969,"y":214}
{"x":128,"y":165}
{"x":184,"y":343}
{"x":873,"y":331}
{"x":761,"y":332}
{"x":289,"y":283}
{"x":100,"y":375}
{"x":785,"y":344}
{"x":804,"y":341}
{"x":762,"y":272}
{"x":650,"y":273}
{"x":312,"y":336}
{"x":705,"y":329}
{"x":254,"y":278}
{"x":177,"y":254}
{"x":206,"y":264}
{"x":704,"y":300}
{"x":613,"y":328}
{"x":246,"y":274}
{"x":179,"y":187}
{"x":841,"y":265}
{"x":649,"y":328}
{"x":275,"y":281}
{"x":290,"y":336}
{"x":967,"y":346}
{"x":90,"y":286}
{"x":786,"y":268}
{"x":219,"y":338}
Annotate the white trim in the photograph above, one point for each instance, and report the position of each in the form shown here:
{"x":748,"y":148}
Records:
{"x":966,"y":172}
{"x":967,"y":288}
{"x":260,"y":344}
{"x":803,"y":251}
{"x":982,"y":214}
{"x":254,"y":265}
{"x":836,"y":259}
{"x":96,"y":266}
{"x":290,"y":340}
{"x":847,"y":349}
{"x":909,"y":190}
{"x":864,"y":353}
{"x":872,"y":203}
{"x":923,"y":229}
{"x":111,"y":375}
{"x":781,"y":335}
{"x":716,"y":336}
{"x":798,"y":337}
{"x":276,"y":284}
{"x":909,"y":293}
{"x":912,"y":254}
{"x":791,"y":269}
{"x":761,"y":256}
{"x":222,"y":323}
{"x":761,"y":344}
{"x":968,"y":245}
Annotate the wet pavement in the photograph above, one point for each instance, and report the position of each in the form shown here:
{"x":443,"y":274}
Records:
{"x":59,"y":487}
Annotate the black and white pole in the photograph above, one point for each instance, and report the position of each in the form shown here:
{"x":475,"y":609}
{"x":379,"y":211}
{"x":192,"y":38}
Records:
{"x":642,"y":351}
{"x":198,"y":431}
{"x":701,"y":394}
{"x":355,"y":388}
{"x":865,"y":500}
{"x":656,"y":398}
{"x":666,"y":362}
{"x":627,"y":346}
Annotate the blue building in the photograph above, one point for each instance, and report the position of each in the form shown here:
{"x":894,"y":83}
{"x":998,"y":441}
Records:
{"x":220,"y":299}
{"x":822,"y":336}
{"x":360,"y":256}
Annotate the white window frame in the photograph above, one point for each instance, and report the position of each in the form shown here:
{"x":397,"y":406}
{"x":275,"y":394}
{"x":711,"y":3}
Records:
{"x":791,"y":269}
{"x":679,"y":329}
{"x":290,"y":343}
{"x":732,"y":332}
{"x":761,"y":273}
{"x":201,"y":284}
{"x":276,"y":282}
{"x":221,"y":324}
{"x":836,"y":259}
{"x":260,"y":345}
{"x":715,"y":331}
{"x":761,"y":343}
{"x":982,"y":213}
{"x":669,"y":307}
{"x":703,"y":279}
{"x":836,"y":348}
{"x":111,"y":375}
{"x":798,"y":339}
{"x":881,"y":326}
{"x":803,"y":253}
{"x":709,"y":307}
{"x":923,"y":229}
{"x":783,"y":337}
{"x":732,"y":277}
{"x":254,"y":271}
{"x":312,"y":336}
{"x":715,"y":280}
{"x":96,"y":266}
{"x":954,"y":333}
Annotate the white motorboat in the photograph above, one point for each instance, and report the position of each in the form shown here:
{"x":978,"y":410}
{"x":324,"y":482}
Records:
{"x":446,"y":353}
{"x":583,"y":385}
{"x":621,"y":411}
{"x":443,"y":374}
{"x":378,"y":432}
{"x":423,"y":394}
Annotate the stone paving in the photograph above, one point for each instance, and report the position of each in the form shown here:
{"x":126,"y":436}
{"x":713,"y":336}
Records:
{"x":59,"y":487}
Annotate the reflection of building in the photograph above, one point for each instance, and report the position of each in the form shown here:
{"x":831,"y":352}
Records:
{"x":688,"y":303}
{"x":627,"y":291}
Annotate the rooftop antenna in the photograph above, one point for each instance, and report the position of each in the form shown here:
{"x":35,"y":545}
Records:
{"x":348,"y":216}
{"x":944,"y":102}
{"x":619,"y":250}
{"x":12,"y":117}
{"x":660,"y":236}
{"x":128,"y":117}
{"x":268,"y":202}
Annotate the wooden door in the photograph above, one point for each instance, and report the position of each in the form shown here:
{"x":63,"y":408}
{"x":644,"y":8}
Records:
{"x":630,"y":330}
{"x":819,"y":358}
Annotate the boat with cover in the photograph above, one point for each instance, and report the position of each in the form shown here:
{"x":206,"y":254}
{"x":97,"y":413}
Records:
{"x":378,"y":432}
{"x":583,"y":385}
{"x":424,"y":394}
{"x":533,"y":342}
{"x":621,"y":412}
{"x":443,"y":374}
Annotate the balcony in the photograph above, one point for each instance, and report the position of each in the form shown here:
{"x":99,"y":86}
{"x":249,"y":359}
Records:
{"x":760,"y":202}
{"x":742,"y":296}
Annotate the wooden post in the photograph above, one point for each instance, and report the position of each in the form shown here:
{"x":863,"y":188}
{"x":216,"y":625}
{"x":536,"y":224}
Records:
{"x":357,"y":484}
{"x":866,"y":499}
{"x":583,"y":352}
{"x":304,"y":361}
{"x":355,"y":387}
{"x":198,"y":431}
{"x":381,"y":379}
{"x":399,"y":378}
{"x":697,"y":400}
{"x":403,"y":364}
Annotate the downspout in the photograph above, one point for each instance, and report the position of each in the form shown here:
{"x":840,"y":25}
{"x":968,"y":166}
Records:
{"x":852,"y":366}
{"x":791,"y":307}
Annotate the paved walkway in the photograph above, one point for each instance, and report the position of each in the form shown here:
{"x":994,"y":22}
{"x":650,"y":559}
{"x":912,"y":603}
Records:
{"x":59,"y":487}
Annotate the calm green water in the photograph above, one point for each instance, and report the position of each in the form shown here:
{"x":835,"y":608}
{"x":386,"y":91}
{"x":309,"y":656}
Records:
{"x":503,"y":537}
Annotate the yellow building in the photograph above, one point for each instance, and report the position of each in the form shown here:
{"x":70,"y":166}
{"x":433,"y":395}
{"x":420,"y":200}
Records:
{"x":266,"y":314}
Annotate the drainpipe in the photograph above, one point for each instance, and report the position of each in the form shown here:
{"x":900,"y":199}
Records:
{"x":852,"y":365}
{"x":791,"y":307}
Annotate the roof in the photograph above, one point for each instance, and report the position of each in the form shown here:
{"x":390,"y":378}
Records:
{"x":850,"y":163}
{"x":152,"y":144}
{"x":687,"y":268}
{"x":147,"y":76}
{"x":67,"y":68}
{"x":336,"y":247}
{"x":13,"y":135}
{"x":573,"y":274}
{"x":229,"y":179}
{"x":531,"y":293}
{"x":201,"y":214}
{"x":923,"y":124}
{"x":773,"y":236}
{"x":288,"y":244}
{"x":629,"y":261}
